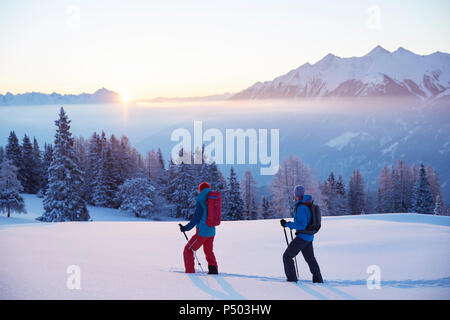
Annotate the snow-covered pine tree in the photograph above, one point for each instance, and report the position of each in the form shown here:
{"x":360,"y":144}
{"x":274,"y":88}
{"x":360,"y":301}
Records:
{"x":422,"y":195}
{"x":183,"y":189}
{"x":433,"y":179}
{"x":132,"y":164}
{"x":38,"y":169}
{"x":356,"y":195}
{"x":118,"y":179}
{"x":414,"y":174}
{"x":46,"y":163}
{"x":171,"y":172}
{"x":81,"y":147}
{"x":437,"y":207}
{"x":385,"y":191}
{"x":404,"y":186}
{"x":124,"y":158}
{"x":10,"y":188}
{"x":370,"y":201}
{"x":14,"y":152}
{"x":31,"y":166}
{"x":249,"y":192}
{"x":104,"y":190}
{"x":92,"y":166}
{"x":2,"y":154}
{"x":342,"y":203}
{"x":137,"y":164}
{"x":233,"y":205}
{"x":329,"y":196}
{"x":136,"y":195}
{"x":63,"y":200}
{"x":211,"y":174}
{"x":162,"y":176}
{"x":26,"y":169}
{"x":267,"y":211}
{"x":154,"y":165}
{"x":396,"y":191}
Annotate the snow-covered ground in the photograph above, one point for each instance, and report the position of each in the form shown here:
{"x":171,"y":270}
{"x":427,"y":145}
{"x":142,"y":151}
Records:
{"x":131,"y":258}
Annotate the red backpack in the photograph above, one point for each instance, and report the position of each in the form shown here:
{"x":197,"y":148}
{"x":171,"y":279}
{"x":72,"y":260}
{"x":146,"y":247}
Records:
{"x":214,"y":214}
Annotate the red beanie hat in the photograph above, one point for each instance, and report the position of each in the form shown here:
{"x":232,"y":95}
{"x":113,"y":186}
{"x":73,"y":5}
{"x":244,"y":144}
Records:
{"x":203,"y":185}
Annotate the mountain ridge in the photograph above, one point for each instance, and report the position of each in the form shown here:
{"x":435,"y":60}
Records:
{"x":100,"y":96}
{"x":378,"y":73}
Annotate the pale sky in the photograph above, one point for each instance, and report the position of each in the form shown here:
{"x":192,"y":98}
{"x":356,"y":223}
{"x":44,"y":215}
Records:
{"x":194,"y":48}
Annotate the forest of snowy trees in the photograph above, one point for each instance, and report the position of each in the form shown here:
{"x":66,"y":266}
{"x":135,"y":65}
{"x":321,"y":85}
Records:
{"x":107,"y":171}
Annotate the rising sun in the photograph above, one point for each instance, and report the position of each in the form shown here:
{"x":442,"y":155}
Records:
{"x":125,"y":97}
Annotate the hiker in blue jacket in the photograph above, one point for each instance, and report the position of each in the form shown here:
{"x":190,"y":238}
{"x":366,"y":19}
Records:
{"x":302,"y":242}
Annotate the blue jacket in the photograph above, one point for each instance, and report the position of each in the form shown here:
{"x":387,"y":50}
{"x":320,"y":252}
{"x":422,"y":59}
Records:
{"x":200,"y":215}
{"x":302,"y":217}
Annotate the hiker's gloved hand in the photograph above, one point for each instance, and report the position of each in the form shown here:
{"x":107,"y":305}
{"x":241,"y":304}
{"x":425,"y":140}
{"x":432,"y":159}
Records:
{"x":283,"y":222}
{"x":181,"y":228}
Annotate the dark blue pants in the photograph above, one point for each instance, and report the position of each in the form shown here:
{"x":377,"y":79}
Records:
{"x":306,"y":247}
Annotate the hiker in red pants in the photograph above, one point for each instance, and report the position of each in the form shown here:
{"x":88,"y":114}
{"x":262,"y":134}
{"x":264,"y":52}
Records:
{"x":204,"y":235}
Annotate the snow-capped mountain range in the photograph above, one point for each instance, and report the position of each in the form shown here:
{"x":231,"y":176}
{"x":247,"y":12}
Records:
{"x":378,"y":73}
{"x":36,"y":98}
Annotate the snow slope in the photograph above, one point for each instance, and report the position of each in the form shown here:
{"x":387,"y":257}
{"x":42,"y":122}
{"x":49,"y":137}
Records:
{"x":143,"y":259}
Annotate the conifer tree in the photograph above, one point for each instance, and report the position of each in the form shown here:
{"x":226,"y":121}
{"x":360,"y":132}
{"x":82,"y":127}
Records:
{"x":136,"y":195}
{"x":396,"y":191}
{"x":157,"y":176}
{"x":329,"y":196}
{"x":2,"y":154}
{"x":438,"y":208}
{"x":422,"y":195}
{"x":233,"y":206}
{"x":10,"y":188}
{"x":342,"y":203}
{"x":249,"y":192}
{"x":403,"y":187}
{"x":27,"y":165}
{"x":182,"y":189}
{"x":46,"y":163}
{"x":38,"y":169}
{"x":14,"y":152}
{"x":433,"y":179}
{"x":385,"y":191}
{"x":267,"y":211}
{"x":104,"y":188}
{"x":356,"y":195}
{"x":63,"y":200}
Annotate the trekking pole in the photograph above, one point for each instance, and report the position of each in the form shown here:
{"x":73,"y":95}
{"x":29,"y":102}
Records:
{"x":285,"y":235}
{"x":193,"y":250}
{"x":295,"y":258}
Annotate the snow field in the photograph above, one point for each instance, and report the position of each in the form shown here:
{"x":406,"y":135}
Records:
{"x":139,"y":259}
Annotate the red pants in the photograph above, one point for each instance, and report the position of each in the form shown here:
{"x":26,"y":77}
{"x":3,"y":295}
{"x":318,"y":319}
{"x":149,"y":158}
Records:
{"x":193,"y":245}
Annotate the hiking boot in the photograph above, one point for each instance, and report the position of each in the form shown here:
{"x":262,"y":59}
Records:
{"x":212,"y":270}
{"x":317,"y":279}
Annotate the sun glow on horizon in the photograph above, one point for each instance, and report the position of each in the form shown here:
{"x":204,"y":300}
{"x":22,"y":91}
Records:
{"x":125,"y":97}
